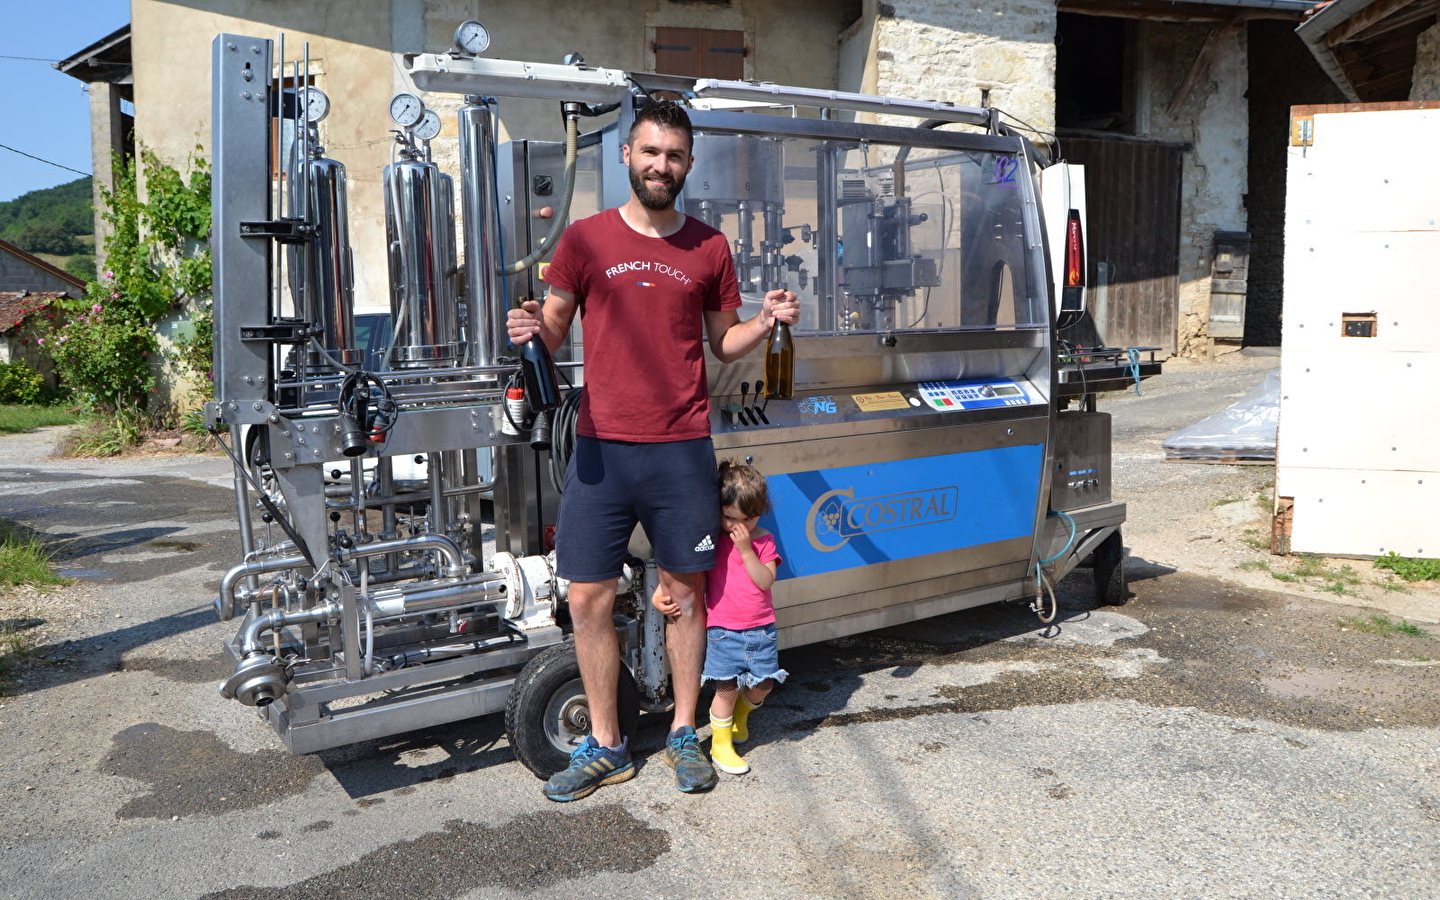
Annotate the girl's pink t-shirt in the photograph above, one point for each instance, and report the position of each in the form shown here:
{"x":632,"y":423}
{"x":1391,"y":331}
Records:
{"x":731,"y":596}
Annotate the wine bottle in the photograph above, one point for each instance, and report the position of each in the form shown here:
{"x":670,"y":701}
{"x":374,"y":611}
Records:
{"x":538,"y":373}
{"x":779,"y":363}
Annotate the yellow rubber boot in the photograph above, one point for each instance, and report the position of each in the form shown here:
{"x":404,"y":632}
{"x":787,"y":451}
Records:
{"x":722,"y":750}
{"x":743,"y":708}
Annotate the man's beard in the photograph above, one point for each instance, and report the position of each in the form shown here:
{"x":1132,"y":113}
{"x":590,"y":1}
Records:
{"x":658,"y":198}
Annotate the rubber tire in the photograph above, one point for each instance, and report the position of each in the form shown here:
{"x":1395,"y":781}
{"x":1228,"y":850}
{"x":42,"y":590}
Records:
{"x":1109,"y":571}
{"x":550,"y":676}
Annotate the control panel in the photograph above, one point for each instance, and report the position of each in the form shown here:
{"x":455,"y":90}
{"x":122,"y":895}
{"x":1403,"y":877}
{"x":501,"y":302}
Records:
{"x":949,"y":396}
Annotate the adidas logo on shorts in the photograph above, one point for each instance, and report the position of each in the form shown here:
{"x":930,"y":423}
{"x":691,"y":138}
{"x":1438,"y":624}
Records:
{"x":704,"y":545}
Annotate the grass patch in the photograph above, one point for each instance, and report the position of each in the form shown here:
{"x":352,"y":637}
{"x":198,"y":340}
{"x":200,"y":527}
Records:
{"x":1252,"y":539}
{"x":1308,"y":565}
{"x":1255,"y":565}
{"x":16,"y":418}
{"x":1381,"y":625}
{"x":103,"y":436}
{"x":1393,"y":588}
{"x":1226,"y":500}
{"x":24,"y":558}
{"x":1284,"y":576}
{"x":1410,"y":568}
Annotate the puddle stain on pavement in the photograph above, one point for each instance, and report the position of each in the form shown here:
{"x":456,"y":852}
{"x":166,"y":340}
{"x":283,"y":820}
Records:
{"x":214,"y":667}
{"x":1210,"y":646}
{"x":194,"y":772}
{"x":467,"y":856}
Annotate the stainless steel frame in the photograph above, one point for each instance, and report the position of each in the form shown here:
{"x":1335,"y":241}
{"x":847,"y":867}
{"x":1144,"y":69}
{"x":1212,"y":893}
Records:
{"x":379,"y":611}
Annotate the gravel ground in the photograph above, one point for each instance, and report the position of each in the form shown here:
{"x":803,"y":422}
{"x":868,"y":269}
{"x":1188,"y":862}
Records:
{"x":1225,"y":734}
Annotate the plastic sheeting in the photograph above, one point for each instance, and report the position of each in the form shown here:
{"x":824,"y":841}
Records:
{"x":1244,"y":431}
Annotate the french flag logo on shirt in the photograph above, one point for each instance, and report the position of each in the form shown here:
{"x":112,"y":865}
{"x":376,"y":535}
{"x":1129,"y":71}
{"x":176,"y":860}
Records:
{"x":645,"y":283}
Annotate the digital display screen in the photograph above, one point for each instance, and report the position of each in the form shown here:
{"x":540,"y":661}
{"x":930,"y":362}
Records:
{"x":1006,"y":390}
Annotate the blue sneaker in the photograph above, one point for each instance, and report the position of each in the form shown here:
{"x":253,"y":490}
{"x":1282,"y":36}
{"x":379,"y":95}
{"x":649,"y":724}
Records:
{"x":591,"y":765}
{"x":693,"y":772}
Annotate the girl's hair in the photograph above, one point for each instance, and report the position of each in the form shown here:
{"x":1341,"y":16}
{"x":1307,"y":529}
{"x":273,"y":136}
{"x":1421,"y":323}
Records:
{"x":743,"y":487}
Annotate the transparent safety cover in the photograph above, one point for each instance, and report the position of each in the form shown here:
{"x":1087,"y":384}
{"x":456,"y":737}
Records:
{"x":872,"y":237}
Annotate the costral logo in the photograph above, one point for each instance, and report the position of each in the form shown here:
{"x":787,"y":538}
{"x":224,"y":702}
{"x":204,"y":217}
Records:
{"x":836,"y":516}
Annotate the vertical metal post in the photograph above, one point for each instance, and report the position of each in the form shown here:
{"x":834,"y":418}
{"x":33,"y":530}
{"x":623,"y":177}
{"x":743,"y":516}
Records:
{"x":240,"y":145}
{"x":827,"y":274}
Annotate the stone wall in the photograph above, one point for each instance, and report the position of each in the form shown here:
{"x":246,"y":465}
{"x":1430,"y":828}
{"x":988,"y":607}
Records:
{"x":1212,"y":120}
{"x":965,"y":53}
{"x":1425,"y":82}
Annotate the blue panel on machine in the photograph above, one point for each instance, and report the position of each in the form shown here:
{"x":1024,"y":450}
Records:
{"x":833,"y":519}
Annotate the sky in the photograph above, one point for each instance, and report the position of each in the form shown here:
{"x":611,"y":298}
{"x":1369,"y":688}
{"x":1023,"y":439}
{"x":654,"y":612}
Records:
{"x":42,"y":112}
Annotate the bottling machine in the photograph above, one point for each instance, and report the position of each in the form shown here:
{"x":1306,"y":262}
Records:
{"x":929,"y":459}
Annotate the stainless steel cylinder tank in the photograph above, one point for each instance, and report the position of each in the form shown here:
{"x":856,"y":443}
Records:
{"x":420,"y":226}
{"x":483,"y":302}
{"x":322,"y":277}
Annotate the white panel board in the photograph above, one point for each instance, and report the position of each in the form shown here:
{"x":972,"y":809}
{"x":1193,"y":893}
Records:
{"x":1366,"y":171}
{"x":1377,"y":411}
{"x":1359,"y":438}
{"x":1394,"y":275}
{"x":1359,"y":512}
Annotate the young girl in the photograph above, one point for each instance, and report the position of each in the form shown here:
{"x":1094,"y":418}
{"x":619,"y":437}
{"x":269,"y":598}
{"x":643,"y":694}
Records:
{"x":740,"y":650}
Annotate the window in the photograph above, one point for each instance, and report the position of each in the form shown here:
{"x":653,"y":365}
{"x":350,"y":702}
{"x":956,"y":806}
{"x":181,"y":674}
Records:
{"x":700,"y":52}
{"x":1093,"y":87}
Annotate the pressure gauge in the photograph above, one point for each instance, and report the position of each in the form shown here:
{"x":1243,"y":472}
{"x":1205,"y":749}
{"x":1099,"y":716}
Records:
{"x":406,"y":110}
{"x":471,"y":37}
{"x":429,"y":126}
{"x":317,"y":105}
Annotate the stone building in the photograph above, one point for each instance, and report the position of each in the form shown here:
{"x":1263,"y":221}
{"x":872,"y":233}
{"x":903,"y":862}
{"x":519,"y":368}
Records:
{"x":30,"y":287}
{"x":1178,"y":107}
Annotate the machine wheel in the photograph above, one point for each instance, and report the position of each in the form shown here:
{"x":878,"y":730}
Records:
{"x":1109,"y":561}
{"x":547,"y":714}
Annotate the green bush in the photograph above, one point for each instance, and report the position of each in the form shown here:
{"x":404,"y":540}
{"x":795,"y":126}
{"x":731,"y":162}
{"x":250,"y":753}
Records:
{"x":20,"y":384}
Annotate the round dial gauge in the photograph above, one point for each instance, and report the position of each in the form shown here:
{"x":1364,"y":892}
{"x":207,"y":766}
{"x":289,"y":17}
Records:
{"x":317,"y":105}
{"x":406,"y":110}
{"x":472,"y":37}
{"x":429,"y":126}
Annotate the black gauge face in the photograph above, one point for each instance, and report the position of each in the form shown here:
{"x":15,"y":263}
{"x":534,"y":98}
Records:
{"x":472,"y":37}
{"x":429,"y":126}
{"x":406,"y":110}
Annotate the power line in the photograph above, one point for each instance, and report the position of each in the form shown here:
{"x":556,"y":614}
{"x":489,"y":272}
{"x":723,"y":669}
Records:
{"x":30,"y":58}
{"x":45,"y":161}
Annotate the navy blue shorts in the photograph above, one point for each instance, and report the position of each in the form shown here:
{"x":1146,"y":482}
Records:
{"x":670,"y":488}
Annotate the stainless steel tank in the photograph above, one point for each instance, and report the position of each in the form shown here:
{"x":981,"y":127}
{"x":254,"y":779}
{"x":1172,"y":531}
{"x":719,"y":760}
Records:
{"x":322,"y":277}
{"x":484,"y":304}
{"x":420,"y":226}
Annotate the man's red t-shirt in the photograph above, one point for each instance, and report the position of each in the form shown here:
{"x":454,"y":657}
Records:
{"x":642,"y":301}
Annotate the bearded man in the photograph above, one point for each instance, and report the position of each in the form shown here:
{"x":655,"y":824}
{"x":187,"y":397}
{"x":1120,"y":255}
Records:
{"x":651,"y":285}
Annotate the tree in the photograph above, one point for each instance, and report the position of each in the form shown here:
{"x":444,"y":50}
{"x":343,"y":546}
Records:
{"x":47,"y":237}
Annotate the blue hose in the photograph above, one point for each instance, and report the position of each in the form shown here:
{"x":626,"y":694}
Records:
{"x":1134,"y":356}
{"x":1069,"y":542}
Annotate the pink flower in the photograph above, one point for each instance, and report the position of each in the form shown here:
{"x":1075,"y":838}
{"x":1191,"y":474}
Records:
{"x":40,"y":342}
{"x":95,"y":307}
{"x":63,"y":338}
{"x":109,"y":275}
{"x":113,"y":296}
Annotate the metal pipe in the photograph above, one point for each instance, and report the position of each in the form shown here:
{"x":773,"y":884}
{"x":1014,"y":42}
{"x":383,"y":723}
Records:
{"x":477,"y":199}
{"x":431,"y":597}
{"x":770,"y":92}
{"x":225,"y":603}
{"x":439,"y":543}
{"x":276,"y":619}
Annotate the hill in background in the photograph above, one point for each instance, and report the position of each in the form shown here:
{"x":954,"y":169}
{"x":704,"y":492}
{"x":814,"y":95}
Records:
{"x":57,"y":224}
